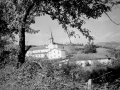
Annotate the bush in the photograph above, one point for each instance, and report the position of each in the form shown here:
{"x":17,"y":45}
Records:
{"x":75,"y":73}
{"x":102,"y":74}
{"x":24,"y":78}
{"x":89,"y":48}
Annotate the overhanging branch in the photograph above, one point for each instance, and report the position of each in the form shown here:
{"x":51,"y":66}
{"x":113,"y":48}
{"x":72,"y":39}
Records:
{"x":111,"y":19}
{"x":27,"y":12}
{"x":118,"y":6}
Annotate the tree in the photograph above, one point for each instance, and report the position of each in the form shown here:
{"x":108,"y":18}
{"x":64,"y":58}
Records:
{"x":72,"y":34}
{"x":90,"y":48}
{"x":4,"y":31}
{"x":19,"y":14}
{"x":6,"y":36}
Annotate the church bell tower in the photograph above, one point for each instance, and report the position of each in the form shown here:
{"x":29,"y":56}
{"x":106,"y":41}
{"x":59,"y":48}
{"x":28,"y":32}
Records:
{"x":51,"y":39}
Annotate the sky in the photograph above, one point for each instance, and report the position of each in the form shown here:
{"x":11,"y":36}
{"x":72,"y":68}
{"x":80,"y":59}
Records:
{"x":102,"y":29}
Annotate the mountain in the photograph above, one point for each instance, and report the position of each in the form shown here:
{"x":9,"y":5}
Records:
{"x":109,"y":44}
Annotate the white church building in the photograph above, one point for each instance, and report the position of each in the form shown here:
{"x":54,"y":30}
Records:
{"x":51,"y":51}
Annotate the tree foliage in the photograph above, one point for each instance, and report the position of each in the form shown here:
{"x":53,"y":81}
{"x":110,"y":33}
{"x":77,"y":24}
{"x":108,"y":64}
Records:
{"x":89,"y":48}
{"x":6,"y":36}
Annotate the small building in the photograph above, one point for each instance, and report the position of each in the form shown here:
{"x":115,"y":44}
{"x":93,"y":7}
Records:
{"x":105,"y":61}
{"x":85,"y":63}
{"x":51,"y":51}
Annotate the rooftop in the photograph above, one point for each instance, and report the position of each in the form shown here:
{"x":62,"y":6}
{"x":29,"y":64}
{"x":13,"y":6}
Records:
{"x":38,"y":48}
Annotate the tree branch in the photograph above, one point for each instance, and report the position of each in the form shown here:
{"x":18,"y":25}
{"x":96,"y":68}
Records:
{"x":27,"y":48}
{"x":117,"y":2}
{"x":111,"y":19}
{"x":27,"y":12}
{"x":118,"y":6}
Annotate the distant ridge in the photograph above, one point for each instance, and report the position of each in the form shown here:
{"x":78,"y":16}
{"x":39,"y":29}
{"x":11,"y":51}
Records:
{"x":109,"y":44}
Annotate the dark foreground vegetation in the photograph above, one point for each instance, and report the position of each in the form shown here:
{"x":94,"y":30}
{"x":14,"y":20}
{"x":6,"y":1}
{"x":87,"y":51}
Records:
{"x":37,"y":74}
{"x":42,"y":74}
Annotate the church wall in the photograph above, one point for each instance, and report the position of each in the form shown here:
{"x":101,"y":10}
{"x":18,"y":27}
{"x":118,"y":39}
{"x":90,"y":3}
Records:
{"x":54,"y":54}
{"x":39,"y":55}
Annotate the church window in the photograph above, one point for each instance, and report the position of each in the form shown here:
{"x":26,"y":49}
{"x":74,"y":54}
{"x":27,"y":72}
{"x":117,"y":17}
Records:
{"x":58,"y":52}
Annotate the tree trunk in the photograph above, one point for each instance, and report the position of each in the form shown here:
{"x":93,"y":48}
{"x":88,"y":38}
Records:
{"x":27,"y":48}
{"x":21,"y":54}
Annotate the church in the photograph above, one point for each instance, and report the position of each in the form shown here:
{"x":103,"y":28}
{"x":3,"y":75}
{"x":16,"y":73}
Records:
{"x":51,"y":51}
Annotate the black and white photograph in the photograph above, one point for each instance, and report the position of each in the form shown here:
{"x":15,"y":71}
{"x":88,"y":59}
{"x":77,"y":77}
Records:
{"x":59,"y":44}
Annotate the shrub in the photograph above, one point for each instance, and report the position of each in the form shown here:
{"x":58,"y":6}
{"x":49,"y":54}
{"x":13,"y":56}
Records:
{"x":89,"y":48}
{"x":102,"y":74}
{"x":75,"y":73}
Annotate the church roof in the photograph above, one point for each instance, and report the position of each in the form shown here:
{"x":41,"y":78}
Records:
{"x":56,"y":49}
{"x":39,"y":53}
{"x":38,"y":48}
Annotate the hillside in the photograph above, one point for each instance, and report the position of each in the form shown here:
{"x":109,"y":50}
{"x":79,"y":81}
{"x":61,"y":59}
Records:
{"x":109,"y":44}
{"x":76,"y":53}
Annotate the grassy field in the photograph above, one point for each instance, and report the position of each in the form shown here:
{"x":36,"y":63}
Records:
{"x":102,"y":53}
{"x":88,"y":56}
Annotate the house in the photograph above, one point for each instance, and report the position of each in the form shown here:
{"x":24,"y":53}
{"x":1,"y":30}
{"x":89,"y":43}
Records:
{"x":105,"y":61}
{"x":84,"y":63}
{"x":51,"y":51}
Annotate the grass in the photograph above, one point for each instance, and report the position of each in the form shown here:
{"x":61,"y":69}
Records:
{"x":88,"y":57}
{"x":101,"y":54}
{"x":103,"y":51}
